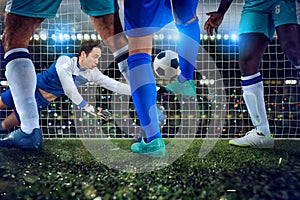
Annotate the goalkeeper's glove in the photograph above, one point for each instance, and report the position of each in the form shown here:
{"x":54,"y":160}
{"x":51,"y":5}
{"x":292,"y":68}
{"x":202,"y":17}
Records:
{"x":89,"y":108}
{"x":104,"y":114}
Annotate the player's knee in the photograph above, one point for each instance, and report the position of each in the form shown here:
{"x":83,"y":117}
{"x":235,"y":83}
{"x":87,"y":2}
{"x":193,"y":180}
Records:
{"x":4,"y":125}
{"x":9,"y":42}
{"x":248,"y":60}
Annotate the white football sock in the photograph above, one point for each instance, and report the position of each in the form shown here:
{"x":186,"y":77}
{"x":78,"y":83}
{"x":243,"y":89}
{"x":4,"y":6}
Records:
{"x":254,"y":97}
{"x":121,"y":56}
{"x":21,"y":78}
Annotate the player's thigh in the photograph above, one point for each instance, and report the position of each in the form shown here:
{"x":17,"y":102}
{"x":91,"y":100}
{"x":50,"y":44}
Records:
{"x":145,"y":17}
{"x":184,"y":10}
{"x":251,"y":49}
{"x":289,"y":38}
{"x":23,"y":17}
{"x":18,"y":30}
{"x":284,"y":12}
{"x":99,"y":7}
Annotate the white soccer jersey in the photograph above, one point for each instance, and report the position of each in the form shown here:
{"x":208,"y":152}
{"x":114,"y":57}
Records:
{"x":65,"y":75}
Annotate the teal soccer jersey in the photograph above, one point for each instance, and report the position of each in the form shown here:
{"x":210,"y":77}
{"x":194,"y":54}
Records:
{"x":262,"y":16}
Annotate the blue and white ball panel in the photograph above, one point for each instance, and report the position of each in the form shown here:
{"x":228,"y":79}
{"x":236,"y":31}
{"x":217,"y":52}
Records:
{"x":255,"y":17}
{"x":145,"y":17}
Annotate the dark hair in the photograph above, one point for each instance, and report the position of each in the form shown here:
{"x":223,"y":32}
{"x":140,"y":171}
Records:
{"x":88,"y":45}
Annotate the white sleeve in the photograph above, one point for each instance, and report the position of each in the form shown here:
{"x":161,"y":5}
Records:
{"x":110,"y":83}
{"x":64,"y":70}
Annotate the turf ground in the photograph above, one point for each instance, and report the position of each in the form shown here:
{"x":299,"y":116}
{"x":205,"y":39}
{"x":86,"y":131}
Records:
{"x":64,"y":169}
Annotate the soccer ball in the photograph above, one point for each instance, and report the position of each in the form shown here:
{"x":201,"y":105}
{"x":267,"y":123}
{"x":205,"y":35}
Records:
{"x":166,"y":65}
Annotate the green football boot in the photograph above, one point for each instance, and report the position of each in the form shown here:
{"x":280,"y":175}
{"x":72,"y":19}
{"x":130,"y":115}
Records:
{"x":156,"y":148}
{"x":187,"y":88}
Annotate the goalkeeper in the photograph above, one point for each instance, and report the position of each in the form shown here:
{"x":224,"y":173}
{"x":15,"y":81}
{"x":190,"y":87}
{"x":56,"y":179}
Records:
{"x":62,"y":78}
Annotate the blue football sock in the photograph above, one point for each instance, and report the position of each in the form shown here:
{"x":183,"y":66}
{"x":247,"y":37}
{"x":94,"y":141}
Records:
{"x":188,"y":48}
{"x":143,"y":89}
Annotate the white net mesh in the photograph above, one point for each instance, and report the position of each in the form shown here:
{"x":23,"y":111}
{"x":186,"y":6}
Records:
{"x":218,"y":110}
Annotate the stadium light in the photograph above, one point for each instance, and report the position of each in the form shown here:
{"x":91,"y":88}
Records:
{"x":43,"y":36}
{"x":161,"y":36}
{"x":61,"y":37}
{"x":234,"y":37}
{"x":66,"y":36}
{"x":291,"y":82}
{"x":4,"y":83}
{"x":93,"y":36}
{"x":73,"y":37}
{"x":53,"y":36}
{"x":86,"y":36}
{"x":79,"y":36}
{"x":226,"y":37}
{"x":36,"y":37}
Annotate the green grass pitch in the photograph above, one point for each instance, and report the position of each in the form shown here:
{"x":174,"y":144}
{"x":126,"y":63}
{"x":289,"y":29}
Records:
{"x":65,"y":169}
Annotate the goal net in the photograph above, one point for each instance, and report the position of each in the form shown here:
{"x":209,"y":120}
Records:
{"x":218,"y":109}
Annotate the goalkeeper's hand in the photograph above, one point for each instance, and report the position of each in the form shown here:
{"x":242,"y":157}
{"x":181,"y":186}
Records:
{"x":89,"y":108}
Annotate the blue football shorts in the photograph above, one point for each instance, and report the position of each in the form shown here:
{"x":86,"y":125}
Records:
{"x":144,"y":17}
{"x":7,"y":99}
{"x":48,"y":8}
{"x":261,"y":16}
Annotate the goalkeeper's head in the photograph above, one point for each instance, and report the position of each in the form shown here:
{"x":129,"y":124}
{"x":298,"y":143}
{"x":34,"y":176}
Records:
{"x":89,"y":54}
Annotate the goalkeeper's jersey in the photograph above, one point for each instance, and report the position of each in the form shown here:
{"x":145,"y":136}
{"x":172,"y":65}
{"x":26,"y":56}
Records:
{"x":65,"y":75}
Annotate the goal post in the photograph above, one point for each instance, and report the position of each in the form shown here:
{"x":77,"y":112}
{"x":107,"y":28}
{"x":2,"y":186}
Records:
{"x":218,"y":110}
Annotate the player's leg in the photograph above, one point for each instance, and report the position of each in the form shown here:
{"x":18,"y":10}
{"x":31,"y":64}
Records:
{"x":2,"y":105}
{"x":20,"y":23}
{"x":288,"y":30}
{"x":110,"y":29}
{"x":6,"y":103}
{"x":289,"y":37}
{"x":20,"y":72}
{"x":141,"y":20}
{"x":187,"y":24}
{"x":251,"y":48}
{"x":143,"y":89}
{"x":253,"y":40}
{"x":21,"y":77}
{"x":105,"y":17}
{"x":9,"y":122}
